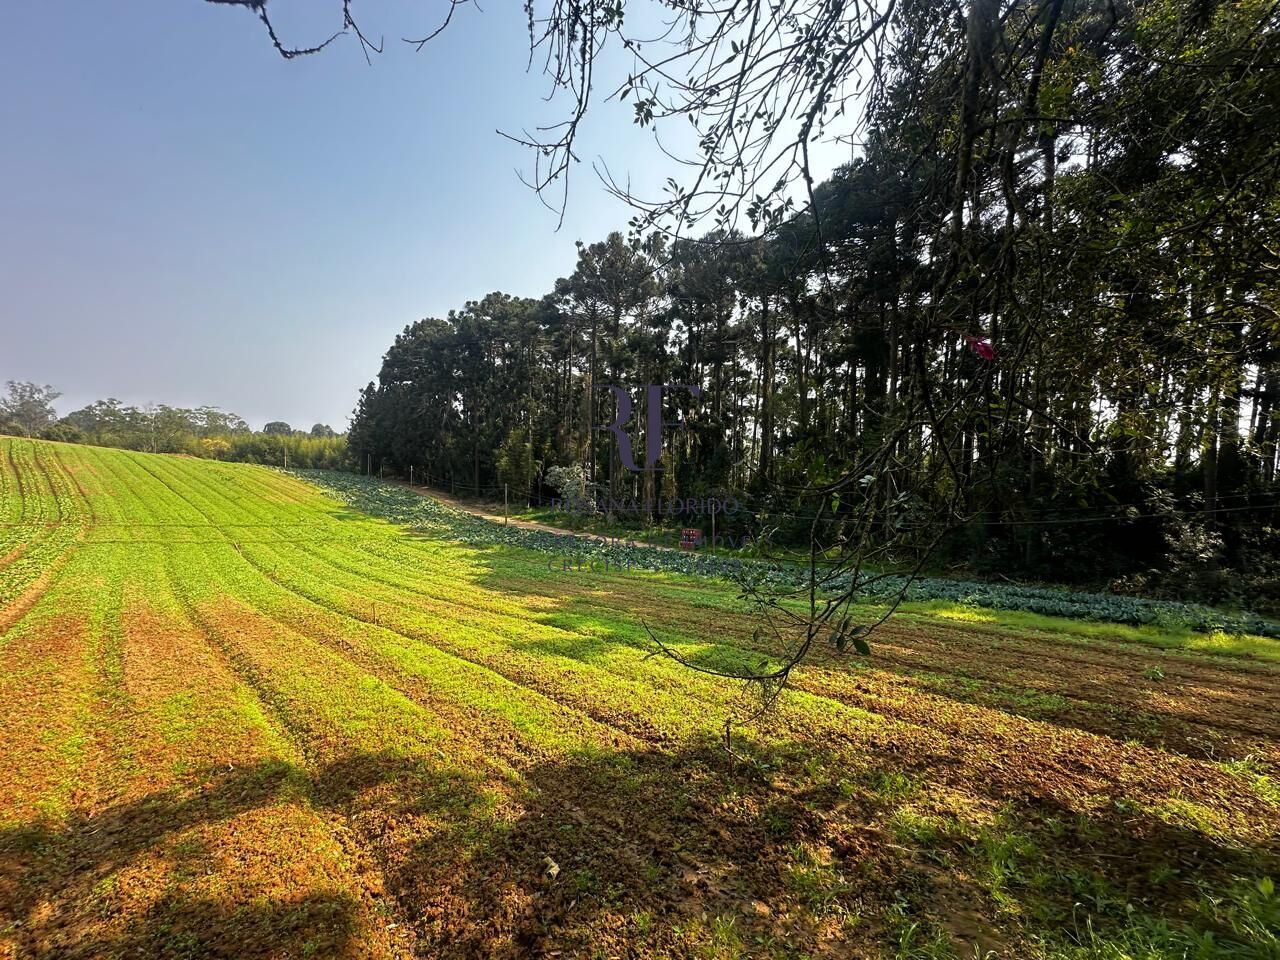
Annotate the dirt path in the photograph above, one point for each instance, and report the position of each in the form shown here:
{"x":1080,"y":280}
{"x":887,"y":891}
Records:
{"x":483,"y":511}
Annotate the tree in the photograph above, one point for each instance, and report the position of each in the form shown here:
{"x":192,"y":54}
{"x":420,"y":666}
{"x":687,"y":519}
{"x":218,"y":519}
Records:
{"x":215,"y":448}
{"x":106,"y":422}
{"x":577,"y":495}
{"x":322,"y":430}
{"x":515,"y":462}
{"x":610,"y":293}
{"x":63,"y":432}
{"x":28,"y":407}
{"x":210,"y":422}
{"x":277,"y":428}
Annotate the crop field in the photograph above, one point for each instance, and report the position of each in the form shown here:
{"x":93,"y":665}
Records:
{"x":241,"y":718}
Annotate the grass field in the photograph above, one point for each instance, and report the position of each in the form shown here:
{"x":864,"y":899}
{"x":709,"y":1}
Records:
{"x":240,"y":719}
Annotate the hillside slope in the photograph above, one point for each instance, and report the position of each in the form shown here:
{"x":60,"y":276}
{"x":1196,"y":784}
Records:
{"x":242,"y":719}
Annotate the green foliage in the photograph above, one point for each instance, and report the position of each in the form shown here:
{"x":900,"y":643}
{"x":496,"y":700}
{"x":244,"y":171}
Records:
{"x":515,"y":462}
{"x":27,"y":408}
{"x":202,"y":432}
{"x":1241,"y":922}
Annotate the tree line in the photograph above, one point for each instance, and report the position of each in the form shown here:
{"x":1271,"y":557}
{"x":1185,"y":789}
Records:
{"x":27,"y":410}
{"x":1038,"y":312}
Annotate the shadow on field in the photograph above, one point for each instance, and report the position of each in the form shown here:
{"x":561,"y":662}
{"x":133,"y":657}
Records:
{"x":591,"y":638}
{"x":56,"y":886}
{"x":1203,"y":710}
{"x":575,"y":854}
{"x":625,"y":853}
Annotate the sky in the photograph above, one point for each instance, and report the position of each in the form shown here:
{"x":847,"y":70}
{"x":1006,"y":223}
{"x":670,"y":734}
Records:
{"x":187,"y":218}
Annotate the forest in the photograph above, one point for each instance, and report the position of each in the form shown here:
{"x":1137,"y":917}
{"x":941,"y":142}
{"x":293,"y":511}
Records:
{"x":1058,"y":345}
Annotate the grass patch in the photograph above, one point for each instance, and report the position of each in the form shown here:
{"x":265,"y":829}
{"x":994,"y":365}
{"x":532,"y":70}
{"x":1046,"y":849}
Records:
{"x":1049,"y":627}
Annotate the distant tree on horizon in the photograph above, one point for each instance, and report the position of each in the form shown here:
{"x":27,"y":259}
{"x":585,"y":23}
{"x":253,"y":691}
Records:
{"x":158,"y":428}
{"x":28,"y":407}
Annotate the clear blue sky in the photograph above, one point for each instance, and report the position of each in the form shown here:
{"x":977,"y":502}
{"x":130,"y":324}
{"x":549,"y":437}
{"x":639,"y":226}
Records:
{"x":189,"y":219}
